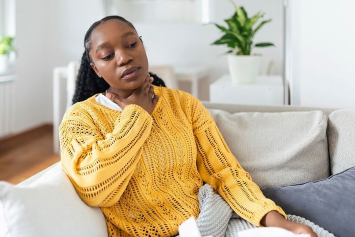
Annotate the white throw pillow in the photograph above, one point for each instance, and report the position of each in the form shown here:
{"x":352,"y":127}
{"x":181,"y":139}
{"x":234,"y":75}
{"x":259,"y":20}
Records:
{"x":49,"y":206}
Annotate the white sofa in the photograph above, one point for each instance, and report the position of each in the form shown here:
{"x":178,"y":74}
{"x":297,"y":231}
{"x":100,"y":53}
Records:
{"x":291,"y":152}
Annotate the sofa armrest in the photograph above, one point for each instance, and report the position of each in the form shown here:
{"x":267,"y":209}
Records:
{"x":47,"y":204}
{"x":37,"y":176}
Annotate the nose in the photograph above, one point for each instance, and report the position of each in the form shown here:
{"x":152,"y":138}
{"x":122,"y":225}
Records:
{"x":123,"y":58}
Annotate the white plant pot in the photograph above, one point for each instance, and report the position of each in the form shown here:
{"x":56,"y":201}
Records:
{"x":4,"y":63}
{"x":243,"y":69}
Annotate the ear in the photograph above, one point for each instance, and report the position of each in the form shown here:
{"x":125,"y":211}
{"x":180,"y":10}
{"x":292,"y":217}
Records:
{"x":95,"y":69}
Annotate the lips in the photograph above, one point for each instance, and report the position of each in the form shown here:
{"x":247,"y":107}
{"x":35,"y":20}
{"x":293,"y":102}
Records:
{"x":130,"y":72}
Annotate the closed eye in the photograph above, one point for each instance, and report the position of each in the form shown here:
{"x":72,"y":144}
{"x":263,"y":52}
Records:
{"x":108,"y":57}
{"x":130,"y":46}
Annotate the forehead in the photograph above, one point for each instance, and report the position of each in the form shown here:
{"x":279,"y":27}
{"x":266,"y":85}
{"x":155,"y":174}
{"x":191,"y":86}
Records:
{"x":110,"y":30}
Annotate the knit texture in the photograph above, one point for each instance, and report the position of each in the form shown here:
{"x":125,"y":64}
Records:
{"x":145,"y":171}
{"x":217,"y":219}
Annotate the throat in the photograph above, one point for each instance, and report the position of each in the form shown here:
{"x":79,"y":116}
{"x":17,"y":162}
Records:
{"x":120,"y":93}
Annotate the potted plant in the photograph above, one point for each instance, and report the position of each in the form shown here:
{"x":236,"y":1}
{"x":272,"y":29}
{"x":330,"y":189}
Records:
{"x":6,"y":49}
{"x":238,"y":36}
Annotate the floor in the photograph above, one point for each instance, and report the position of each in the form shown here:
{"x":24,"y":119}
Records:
{"x":25,"y":154}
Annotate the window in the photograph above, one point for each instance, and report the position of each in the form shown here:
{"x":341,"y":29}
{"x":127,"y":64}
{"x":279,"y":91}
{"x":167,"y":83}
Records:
{"x":7,"y":17}
{"x":7,"y":29}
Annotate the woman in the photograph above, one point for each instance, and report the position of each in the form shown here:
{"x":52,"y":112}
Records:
{"x":141,"y":152}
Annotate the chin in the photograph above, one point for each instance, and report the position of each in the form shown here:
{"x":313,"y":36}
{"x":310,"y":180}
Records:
{"x":135,"y":83}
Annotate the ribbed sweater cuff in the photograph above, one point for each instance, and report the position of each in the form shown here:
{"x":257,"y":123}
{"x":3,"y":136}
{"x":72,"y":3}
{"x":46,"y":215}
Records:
{"x":261,"y":213}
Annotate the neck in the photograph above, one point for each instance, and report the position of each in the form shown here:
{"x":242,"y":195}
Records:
{"x":120,"y":93}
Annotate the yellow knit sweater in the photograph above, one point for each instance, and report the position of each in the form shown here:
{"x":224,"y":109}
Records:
{"x":145,"y":171}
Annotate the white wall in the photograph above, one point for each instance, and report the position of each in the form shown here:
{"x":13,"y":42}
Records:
{"x":32,"y":85}
{"x":190,"y":43}
{"x":323,"y":55}
{"x":48,"y":34}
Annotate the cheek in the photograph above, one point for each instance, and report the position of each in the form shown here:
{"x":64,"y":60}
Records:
{"x":143,"y":57}
{"x":105,"y":68}
{"x":141,"y":53}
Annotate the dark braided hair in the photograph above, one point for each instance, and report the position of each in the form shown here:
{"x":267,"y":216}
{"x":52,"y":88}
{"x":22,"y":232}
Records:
{"x":88,"y":83}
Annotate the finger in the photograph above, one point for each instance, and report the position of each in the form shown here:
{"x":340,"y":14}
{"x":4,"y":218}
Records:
{"x":147,"y":85}
{"x":151,"y":79}
{"x":151,"y":90}
{"x":113,"y":97}
{"x":108,"y":95}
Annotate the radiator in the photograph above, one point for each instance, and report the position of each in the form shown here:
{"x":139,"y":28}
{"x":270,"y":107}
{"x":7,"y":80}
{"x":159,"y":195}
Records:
{"x":6,"y":105}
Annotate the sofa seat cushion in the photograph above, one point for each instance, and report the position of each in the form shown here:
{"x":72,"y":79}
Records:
{"x":48,"y":206}
{"x":341,"y":136}
{"x":328,"y":203}
{"x":277,"y":149}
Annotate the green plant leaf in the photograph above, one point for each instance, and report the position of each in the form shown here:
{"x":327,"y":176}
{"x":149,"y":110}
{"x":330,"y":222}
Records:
{"x":246,"y":34}
{"x":251,"y":21}
{"x":8,"y":40}
{"x":231,"y":45}
{"x":232,"y":25}
{"x":244,"y":12}
{"x":235,"y":16}
{"x":237,"y":36}
{"x":240,"y":52}
{"x":220,"y":41}
{"x":260,"y":45}
{"x":259,"y":26}
{"x":240,"y":15}
{"x":6,"y":46}
{"x":236,"y":21}
{"x":226,"y":39}
{"x":222,"y":28}
{"x":240,"y":31}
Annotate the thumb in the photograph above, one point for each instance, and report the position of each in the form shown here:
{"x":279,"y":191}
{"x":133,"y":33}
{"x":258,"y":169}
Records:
{"x":109,"y":95}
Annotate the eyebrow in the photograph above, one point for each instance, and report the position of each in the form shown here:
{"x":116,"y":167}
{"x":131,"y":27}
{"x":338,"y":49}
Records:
{"x":127,"y":34}
{"x":107,"y":44}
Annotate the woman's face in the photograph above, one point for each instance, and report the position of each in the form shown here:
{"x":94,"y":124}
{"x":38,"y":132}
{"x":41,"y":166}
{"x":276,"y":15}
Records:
{"x":118,"y":55}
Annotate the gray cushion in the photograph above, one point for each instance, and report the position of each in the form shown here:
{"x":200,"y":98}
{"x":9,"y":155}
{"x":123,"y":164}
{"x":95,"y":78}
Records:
{"x":341,"y":134}
{"x":277,"y":149}
{"x":329,"y":203}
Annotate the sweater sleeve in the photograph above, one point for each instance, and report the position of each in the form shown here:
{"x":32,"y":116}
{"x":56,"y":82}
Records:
{"x":101,"y":165}
{"x":219,"y":168}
